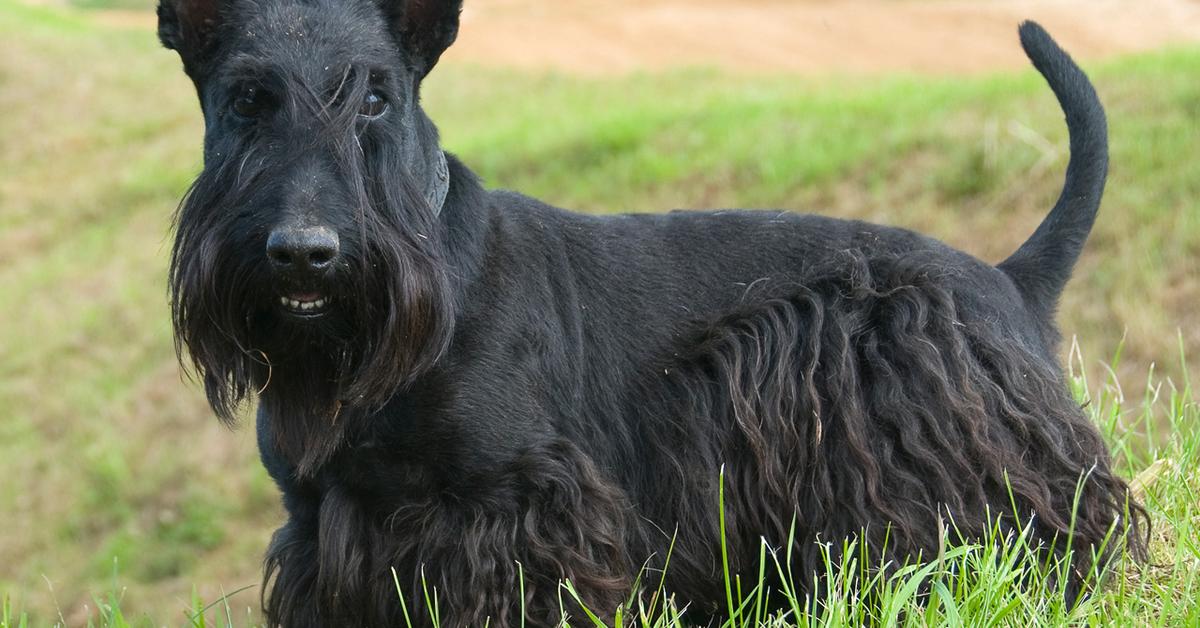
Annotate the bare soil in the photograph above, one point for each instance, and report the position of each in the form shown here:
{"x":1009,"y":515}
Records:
{"x":805,"y":36}
{"x":598,"y":37}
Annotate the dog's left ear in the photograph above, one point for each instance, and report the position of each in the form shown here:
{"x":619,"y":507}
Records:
{"x":424,"y":29}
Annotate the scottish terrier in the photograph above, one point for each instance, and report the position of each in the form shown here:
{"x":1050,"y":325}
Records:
{"x":472,"y":396}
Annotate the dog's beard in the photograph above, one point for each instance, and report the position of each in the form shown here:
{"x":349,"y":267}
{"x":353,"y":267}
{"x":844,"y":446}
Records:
{"x":389,"y":320}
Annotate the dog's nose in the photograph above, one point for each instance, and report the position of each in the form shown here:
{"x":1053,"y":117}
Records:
{"x":302,"y":249}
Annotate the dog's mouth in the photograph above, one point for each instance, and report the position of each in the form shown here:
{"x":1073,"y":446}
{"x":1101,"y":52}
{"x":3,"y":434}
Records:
{"x":305,"y":304}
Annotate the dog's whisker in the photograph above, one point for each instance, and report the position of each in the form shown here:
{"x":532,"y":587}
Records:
{"x":270,"y":370}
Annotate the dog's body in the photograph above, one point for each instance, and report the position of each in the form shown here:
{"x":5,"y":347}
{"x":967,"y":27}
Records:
{"x":490,"y":395}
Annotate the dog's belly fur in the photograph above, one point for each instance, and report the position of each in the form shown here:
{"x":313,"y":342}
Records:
{"x":527,"y":431}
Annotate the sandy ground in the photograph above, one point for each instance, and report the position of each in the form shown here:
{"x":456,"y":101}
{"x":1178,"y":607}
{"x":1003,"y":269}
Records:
{"x":805,"y":36}
{"x":796,"y":36}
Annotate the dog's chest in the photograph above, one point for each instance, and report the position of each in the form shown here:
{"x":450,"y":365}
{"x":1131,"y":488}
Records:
{"x":381,"y":473}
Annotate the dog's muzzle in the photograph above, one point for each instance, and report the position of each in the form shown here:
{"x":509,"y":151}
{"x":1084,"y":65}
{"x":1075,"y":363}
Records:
{"x":302,"y":258}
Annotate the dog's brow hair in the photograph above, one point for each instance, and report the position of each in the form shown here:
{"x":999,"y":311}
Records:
{"x":244,"y":68}
{"x":326,"y":104}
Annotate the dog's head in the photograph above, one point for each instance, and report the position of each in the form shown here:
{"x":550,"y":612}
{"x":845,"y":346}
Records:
{"x":310,"y":243}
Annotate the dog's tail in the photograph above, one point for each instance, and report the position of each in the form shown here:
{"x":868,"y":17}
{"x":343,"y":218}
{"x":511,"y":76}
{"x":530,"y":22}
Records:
{"x":1041,"y":267}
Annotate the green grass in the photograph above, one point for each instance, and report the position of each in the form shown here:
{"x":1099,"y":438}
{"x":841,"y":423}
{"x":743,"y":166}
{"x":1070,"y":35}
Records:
{"x":1000,"y":581}
{"x":108,"y":460}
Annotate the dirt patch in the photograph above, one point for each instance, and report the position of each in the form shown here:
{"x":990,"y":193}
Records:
{"x":794,"y":36}
{"x":810,"y":37}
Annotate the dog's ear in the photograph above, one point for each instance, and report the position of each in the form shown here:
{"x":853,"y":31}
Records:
{"x":187,"y":27}
{"x":423,"y":28}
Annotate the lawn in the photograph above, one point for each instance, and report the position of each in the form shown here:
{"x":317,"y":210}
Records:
{"x":116,"y":482}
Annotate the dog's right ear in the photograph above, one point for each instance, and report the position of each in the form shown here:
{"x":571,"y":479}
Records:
{"x":423,"y":28}
{"x":187,"y":27}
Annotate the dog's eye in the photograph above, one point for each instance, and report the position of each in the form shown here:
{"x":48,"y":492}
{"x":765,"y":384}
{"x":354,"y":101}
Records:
{"x":373,"y":105}
{"x":251,"y":103}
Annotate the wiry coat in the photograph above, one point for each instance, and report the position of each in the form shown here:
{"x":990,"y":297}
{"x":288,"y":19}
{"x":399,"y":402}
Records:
{"x":505,"y":395}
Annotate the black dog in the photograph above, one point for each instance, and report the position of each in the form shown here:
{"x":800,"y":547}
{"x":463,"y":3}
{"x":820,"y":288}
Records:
{"x":489,"y":395}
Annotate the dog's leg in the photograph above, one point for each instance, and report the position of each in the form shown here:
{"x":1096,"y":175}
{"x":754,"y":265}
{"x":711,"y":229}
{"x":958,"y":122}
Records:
{"x":290,"y":578}
{"x":549,"y":517}
{"x":546,"y":519}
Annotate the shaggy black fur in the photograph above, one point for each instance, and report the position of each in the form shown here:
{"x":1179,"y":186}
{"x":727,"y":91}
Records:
{"x":466,"y":386}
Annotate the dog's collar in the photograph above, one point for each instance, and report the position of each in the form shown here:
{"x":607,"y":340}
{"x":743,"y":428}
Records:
{"x":436,"y":196}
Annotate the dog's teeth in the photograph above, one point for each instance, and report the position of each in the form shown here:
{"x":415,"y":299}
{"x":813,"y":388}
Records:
{"x":303,"y":306}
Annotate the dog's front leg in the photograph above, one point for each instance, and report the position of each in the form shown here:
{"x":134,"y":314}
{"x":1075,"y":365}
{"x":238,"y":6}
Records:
{"x":547,"y":517}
